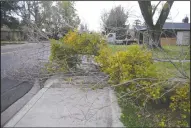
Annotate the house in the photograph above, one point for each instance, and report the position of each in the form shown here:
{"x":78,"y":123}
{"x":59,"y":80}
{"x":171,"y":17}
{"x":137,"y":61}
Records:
{"x":171,"y":34}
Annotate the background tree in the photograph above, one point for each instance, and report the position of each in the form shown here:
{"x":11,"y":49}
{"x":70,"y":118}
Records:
{"x":30,"y":13}
{"x":62,"y":18}
{"x":137,"y":22}
{"x":83,"y":28}
{"x":185,"y":20}
{"x":46,"y":14}
{"x":114,"y":21}
{"x":39,"y":16}
{"x":154,"y":30}
{"x":7,"y":18}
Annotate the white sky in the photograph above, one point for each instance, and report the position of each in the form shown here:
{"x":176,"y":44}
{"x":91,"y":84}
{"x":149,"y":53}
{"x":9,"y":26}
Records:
{"x":90,"y":11}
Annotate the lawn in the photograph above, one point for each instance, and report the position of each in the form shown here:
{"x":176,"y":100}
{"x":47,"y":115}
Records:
{"x":169,"y":70}
{"x":171,"y":52}
{"x":116,"y":48}
{"x":130,"y":117}
{"x":129,"y":111}
{"x":166,"y":67}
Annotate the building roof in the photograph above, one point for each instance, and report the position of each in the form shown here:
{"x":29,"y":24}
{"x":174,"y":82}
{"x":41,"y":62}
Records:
{"x":169,"y":25}
{"x":140,"y":28}
{"x":178,"y":26}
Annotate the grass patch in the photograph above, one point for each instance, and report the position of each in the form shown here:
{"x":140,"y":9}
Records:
{"x":169,"y":70}
{"x":166,"y":67}
{"x":12,"y":42}
{"x":116,"y":48}
{"x":129,"y":116}
{"x":129,"y":110}
{"x":171,"y":52}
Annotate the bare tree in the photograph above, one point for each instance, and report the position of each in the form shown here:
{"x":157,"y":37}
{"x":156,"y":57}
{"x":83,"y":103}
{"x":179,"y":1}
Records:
{"x":137,"y":22}
{"x":148,"y":13}
{"x":115,"y":21}
{"x":185,"y":20}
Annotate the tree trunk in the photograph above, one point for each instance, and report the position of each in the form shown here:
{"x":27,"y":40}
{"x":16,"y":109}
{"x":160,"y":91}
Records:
{"x":154,"y":30}
{"x":36,"y":12}
{"x":154,"y":39}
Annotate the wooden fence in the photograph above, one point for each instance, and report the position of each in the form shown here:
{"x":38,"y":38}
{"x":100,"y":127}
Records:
{"x":12,"y":35}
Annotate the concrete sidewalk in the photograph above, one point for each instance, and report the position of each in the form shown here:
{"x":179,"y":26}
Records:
{"x":68,"y":102}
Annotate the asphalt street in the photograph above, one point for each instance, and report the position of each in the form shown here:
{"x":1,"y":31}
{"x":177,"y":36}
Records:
{"x":19,"y":63}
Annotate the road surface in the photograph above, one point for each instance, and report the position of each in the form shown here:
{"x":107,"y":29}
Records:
{"x":18,"y":62}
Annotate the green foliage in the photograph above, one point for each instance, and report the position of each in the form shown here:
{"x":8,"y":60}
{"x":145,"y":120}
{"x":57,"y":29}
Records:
{"x":54,"y":17}
{"x":65,"y":52}
{"x":116,"y":17}
{"x":7,"y":7}
{"x":177,"y":113}
{"x":67,"y":10}
{"x":181,"y":103}
{"x":132,"y":63}
{"x":162,"y":122}
{"x":136,"y":62}
{"x":130,"y":117}
{"x":181,"y":99}
{"x":54,"y":46}
{"x":84,"y":43}
{"x":65,"y":56}
{"x":102,"y":58}
{"x":127,"y":65}
{"x":170,"y":52}
{"x":123,"y":66}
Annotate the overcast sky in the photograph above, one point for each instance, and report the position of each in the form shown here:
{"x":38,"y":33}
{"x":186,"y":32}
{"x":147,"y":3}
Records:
{"x":90,"y":11}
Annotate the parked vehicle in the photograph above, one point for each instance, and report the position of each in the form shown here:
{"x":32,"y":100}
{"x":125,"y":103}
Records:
{"x":111,"y":38}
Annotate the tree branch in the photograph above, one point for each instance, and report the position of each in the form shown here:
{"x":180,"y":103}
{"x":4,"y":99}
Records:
{"x":155,"y":8}
{"x":146,"y":10}
{"x":164,"y":14}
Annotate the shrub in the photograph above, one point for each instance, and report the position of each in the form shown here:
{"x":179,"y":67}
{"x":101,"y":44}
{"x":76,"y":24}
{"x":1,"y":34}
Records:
{"x":66,"y":52}
{"x":136,"y":62}
{"x":180,"y":102}
{"x":102,"y":59}
{"x":126,"y":65}
{"x":84,"y":43}
{"x":65,"y":56}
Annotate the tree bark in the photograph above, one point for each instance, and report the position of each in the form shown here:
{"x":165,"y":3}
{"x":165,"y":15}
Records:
{"x":36,"y":16}
{"x":154,"y":30}
{"x":154,"y":39}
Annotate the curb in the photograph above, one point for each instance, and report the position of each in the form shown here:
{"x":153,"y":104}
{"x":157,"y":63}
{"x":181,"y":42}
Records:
{"x":30,"y":104}
{"x":115,"y":110}
{"x":15,"y":42}
{"x":15,"y":107}
{"x":2,"y":44}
